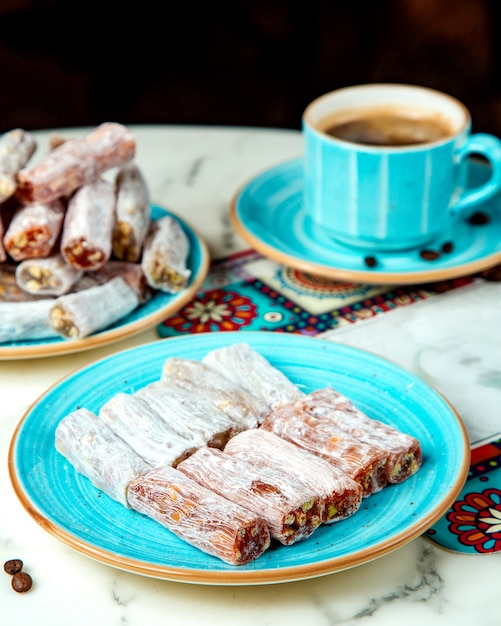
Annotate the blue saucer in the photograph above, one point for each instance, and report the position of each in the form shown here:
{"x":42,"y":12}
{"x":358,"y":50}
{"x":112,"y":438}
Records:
{"x":268,"y":213}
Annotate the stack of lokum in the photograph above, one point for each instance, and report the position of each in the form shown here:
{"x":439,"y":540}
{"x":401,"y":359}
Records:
{"x":229,"y":454}
{"x":78,"y":247}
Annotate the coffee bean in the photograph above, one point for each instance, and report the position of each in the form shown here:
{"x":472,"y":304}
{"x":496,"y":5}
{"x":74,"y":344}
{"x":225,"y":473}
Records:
{"x":442,"y":286}
{"x":479,"y":218}
{"x":492,"y":274}
{"x":429,"y":255}
{"x":13,"y":566}
{"x":447,"y":247}
{"x":370,"y":261}
{"x":21,"y":582}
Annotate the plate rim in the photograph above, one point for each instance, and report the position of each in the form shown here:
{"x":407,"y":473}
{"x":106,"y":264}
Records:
{"x":106,"y":337}
{"x":370,"y":277}
{"x":235,"y":576}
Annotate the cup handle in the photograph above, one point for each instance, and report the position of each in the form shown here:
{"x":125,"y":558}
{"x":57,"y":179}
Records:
{"x":489,"y":147}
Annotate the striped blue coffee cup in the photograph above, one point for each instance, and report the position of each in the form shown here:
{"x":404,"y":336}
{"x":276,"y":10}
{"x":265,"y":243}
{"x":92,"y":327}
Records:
{"x":397,"y":196}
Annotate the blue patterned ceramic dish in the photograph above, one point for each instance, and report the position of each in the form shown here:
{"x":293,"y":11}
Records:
{"x":145,"y":316}
{"x":268,"y":212}
{"x":69,"y":507}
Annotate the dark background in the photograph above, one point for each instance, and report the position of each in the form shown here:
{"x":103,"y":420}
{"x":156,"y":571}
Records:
{"x":240,"y":62}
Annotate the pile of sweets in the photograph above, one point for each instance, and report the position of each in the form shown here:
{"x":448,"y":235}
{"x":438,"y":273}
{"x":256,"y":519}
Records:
{"x":229,"y":454}
{"x":78,"y":247}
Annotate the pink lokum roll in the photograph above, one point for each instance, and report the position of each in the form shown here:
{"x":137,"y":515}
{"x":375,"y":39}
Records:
{"x":200,"y":516}
{"x":86,"y":238}
{"x":292,"y":511}
{"x":340,"y":494}
{"x":132,"y":213}
{"x":34,"y":230}
{"x":363,"y":462}
{"x":75,"y":163}
{"x":404,"y":451}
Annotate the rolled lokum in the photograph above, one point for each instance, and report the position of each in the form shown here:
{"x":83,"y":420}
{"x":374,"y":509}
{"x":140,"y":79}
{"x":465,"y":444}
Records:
{"x":7,"y":211}
{"x":10,"y":291}
{"x":25,"y":320}
{"x":291,"y":511}
{"x":88,"y":224}
{"x":98,"y":454}
{"x":404,"y":451}
{"x":132,"y":213}
{"x":165,"y":255}
{"x":49,"y":276}
{"x":16,"y":148}
{"x":243,"y":407}
{"x":131,"y":273}
{"x":365,"y":463}
{"x":80,"y":313}
{"x":75,"y":163}
{"x":188,"y":414}
{"x":248,"y":368}
{"x":341,"y":495}
{"x":34,"y":230}
{"x":145,"y":431}
{"x":199,"y":516}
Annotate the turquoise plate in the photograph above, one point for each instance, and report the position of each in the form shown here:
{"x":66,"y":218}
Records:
{"x":160,"y":306}
{"x":268,"y":213}
{"x":69,"y":507}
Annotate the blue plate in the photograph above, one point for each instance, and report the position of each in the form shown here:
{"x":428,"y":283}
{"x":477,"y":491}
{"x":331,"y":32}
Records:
{"x":160,"y":306}
{"x":68,"y":506}
{"x":268,"y":213}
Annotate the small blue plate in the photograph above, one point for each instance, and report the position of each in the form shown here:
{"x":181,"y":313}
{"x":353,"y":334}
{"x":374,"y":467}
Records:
{"x":268,"y":213}
{"x":147,"y":315}
{"x":69,"y":507}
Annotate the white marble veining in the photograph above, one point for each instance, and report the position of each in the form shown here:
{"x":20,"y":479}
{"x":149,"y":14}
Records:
{"x":452,"y":342}
{"x":195,"y":171}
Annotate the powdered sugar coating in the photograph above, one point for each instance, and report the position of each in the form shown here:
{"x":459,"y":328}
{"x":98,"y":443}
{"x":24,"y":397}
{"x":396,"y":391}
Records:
{"x":291,"y":511}
{"x":199,"y":516}
{"x":143,"y":429}
{"x":34,"y":229}
{"x":16,"y":148}
{"x":188,"y":415}
{"x":245,"y":366}
{"x":98,"y":454}
{"x":404,"y":451}
{"x":26,"y":319}
{"x":88,"y":224}
{"x":76,"y":162}
{"x":132,"y":213}
{"x":341,"y":495}
{"x":363,"y":462}
{"x":78,"y":314}
{"x":165,"y":255}
{"x":244,"y":408}
{"x":48,"y":276}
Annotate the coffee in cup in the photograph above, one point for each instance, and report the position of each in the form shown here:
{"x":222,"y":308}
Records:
{"x":389,"y":126}
{"x":385,"y":165}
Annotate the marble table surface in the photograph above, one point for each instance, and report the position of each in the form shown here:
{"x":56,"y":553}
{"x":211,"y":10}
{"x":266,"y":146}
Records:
{"x":194,"y":171}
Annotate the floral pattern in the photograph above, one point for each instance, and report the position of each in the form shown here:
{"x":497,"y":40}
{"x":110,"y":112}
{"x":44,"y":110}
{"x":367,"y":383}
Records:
{"x":214,"y":310}
{"x":476,"y":520}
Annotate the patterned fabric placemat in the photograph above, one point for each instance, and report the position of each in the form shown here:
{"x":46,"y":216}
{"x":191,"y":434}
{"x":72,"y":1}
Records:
{"x":247,"y":291}
{"x":473,"y":523}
